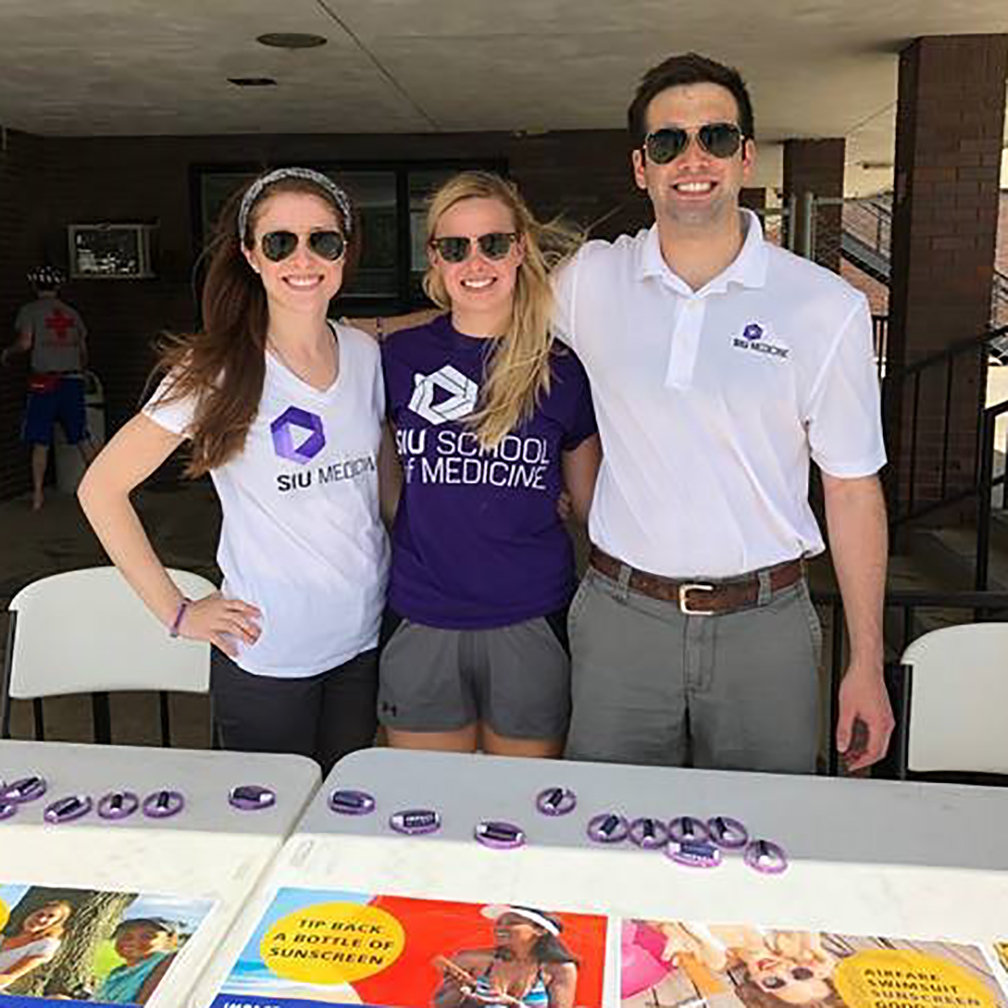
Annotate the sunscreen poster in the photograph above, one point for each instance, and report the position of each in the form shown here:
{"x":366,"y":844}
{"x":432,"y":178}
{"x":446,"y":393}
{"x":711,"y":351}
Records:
{"x":99,"y":946}
{"x":315,"y":948}
{"x":675,"y":964}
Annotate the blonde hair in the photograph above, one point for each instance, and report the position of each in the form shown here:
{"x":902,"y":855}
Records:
{"x":56,"y":929}
{"x":518,"y":369}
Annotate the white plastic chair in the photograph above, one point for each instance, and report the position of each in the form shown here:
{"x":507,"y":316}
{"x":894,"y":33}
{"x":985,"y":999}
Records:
{"x":86,"y":631}
{"x":956,"y":700}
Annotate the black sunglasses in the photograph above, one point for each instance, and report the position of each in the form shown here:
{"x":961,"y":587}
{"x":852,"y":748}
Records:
{"x":797,"y":973}
{"x":720,"y":140}
{"x":456,"y":249}
{"x":278,"y":245}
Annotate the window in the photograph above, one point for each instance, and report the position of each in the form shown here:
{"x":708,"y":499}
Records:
{"x":390,"y":200}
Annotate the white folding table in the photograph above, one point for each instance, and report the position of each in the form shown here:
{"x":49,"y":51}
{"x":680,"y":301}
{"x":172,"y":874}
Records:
{"x":209,"y":849}
{"x":867,"y":857}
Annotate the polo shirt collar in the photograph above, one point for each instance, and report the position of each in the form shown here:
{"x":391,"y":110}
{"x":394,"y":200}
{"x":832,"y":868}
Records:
{"x":748,"y":268}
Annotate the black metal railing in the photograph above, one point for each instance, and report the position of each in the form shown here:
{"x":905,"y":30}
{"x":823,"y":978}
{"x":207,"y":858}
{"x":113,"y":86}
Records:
{"x":880,"y":342}
{"x":903,"y":610}
{"x":903,"y":390}
{"x":987,"y":485}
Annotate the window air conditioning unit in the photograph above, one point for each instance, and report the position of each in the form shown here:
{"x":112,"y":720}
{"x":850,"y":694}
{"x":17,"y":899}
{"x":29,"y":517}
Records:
{"x":110,"y":251}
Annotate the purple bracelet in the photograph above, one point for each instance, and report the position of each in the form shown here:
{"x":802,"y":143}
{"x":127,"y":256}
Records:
{"x":648,"y":833}
{"x":688,"y":829}
{"x":766,"y":857}
{"x":556,"y":801}
{"x":351,"y":802}
{"x":415,"y":822}
{"x":728,"y":833}
{"x":608,"y":828}
{"x":173,"y":630}
{"x":499,"y":835}
{"x":694,"y":853}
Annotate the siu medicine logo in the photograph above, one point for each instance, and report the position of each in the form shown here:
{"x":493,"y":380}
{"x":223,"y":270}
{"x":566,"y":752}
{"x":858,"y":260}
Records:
{"x":456,"y":395}
{"x":298,"y":436}
{"x":754,"y":340}
{"x":295,"y":420}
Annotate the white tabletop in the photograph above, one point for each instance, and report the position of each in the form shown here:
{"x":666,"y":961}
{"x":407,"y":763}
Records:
{"x":208,"y":850}
{"x":203,"y":777}
{"x":868,"y":857}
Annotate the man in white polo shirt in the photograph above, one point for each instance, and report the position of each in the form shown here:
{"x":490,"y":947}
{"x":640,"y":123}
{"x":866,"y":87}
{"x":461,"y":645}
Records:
{"x":720,"y":366}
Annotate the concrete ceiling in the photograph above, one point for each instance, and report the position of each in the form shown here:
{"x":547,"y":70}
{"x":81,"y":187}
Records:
{"x":817,"y":68}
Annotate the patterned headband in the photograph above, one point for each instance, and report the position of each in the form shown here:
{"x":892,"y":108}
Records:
{"x":257,"y":188}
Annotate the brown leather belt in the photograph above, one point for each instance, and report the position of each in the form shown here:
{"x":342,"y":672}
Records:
{"x":698,"y":598}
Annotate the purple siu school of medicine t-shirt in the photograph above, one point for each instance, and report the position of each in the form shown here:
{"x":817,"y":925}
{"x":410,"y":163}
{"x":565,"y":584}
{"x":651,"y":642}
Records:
{"x":477,"y":541}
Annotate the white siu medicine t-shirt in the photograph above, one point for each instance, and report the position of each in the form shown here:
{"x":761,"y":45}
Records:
{"x":301,"y":536}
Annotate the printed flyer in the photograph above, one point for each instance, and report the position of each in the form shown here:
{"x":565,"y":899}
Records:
{"x":94,"y":945}
{"x":681,"y":964}
{"x":322,"y":948}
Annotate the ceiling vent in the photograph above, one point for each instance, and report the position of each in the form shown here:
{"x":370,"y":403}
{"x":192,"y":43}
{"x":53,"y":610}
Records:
{"x":252,"y":81}
{"x":291,"y":40}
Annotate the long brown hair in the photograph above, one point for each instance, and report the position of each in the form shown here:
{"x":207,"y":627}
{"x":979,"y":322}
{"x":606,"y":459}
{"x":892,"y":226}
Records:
{"x":223,"y":366}
{"x":518,"y":369}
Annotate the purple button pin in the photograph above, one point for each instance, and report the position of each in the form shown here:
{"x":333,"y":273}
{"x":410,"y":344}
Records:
{"x":687,"y":829}
{"x":608,"y":827}
{"x":499,"y":835}
{"x":8,"y":809}
{"x":118,"y":805}
{"x":766,"y":856}
{"x":648,"y":833}
{"x":162,"y":804}
{"x":67,"y":809}
{"x":351,"y":802}
{"x":24,"y":790}
{"x":415,"y":822}
{"x":694,"y":853}
{"x":251,"y":797}
{"x":728,"y":833}
{"x":556,"y":801}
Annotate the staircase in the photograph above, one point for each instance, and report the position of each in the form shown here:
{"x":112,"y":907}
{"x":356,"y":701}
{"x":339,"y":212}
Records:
{"x":934,"y":555}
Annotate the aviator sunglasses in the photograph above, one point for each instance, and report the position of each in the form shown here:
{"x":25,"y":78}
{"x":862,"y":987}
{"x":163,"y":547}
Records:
{"x":279,"y":245}
{"x":720,"y":140}
{"x":456,"y":249}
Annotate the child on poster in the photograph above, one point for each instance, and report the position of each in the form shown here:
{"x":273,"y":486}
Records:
{"x":36,"y":942}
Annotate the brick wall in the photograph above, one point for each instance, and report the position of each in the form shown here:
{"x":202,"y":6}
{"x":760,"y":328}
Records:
{"x":949,"y":131}
{"x":817,"y":166}
{"x":50,"y":182}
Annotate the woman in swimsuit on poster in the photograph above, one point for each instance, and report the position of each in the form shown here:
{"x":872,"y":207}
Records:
{"x":774,"y":967}
{"x":528,"y":967}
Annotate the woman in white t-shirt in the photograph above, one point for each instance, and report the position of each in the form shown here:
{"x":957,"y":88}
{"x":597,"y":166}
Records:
{"x":36,"y":942}
{"x":284,"y":410}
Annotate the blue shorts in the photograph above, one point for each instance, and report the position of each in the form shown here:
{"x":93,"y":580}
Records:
{"x":54,"y":398}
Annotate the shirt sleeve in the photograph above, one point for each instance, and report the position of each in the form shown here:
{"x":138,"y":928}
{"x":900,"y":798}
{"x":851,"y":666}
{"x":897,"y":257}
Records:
{"x":843,"y":416}
{"x":81,"y":327}
{"x":564,"y":281}
{"x":175,"y":416}
{"x":582,"y":422}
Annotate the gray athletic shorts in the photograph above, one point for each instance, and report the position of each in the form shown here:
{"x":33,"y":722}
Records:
{"x":516,"y":679}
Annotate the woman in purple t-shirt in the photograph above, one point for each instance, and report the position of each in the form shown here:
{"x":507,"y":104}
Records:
{"x":491,"y":420}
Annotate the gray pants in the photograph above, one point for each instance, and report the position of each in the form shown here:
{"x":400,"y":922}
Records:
{"x":652,"y":685}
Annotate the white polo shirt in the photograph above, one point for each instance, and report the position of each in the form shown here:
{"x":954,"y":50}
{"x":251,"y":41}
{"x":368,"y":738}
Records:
{"x":301,"y":537}
{"x":710,"y":403}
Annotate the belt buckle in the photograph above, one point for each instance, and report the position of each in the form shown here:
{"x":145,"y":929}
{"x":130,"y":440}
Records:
{"x":684,"y":601}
